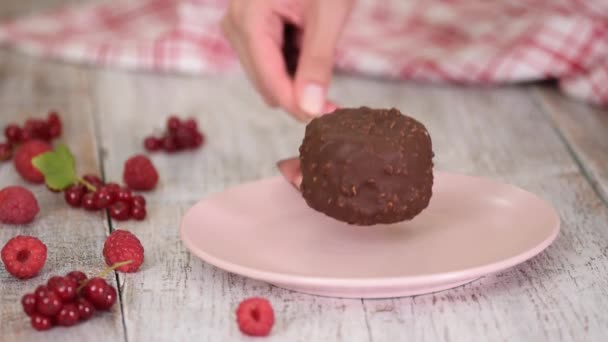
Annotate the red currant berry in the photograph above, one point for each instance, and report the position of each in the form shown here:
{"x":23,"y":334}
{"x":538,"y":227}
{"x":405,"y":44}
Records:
{"x":53,"y":282}
{"x":40,"y":322}
{"x":54,"y":124}
{"x":94,"y":291}
{"x":138,"y":213}
{"x":68,"y":315}
{"x":94,"y":180}
{"x":28,"y":302}
{"x":64,"y":287}
{"x":54,"y":131}
{"x":184,"y":138}
{"x":49,"y":305}
{"x":88,"y":201}
{"x":120,"y":211}
{"x":13,"y":133}
{"x":138,"y":201}
{"x":78,"y":276}
{"x":125,"y":195}
{"x":169,"y":144}
{"x":6,"y":152}
{"x":73,"y":195}
{"x":173,"y":123}
{"x":26,"y":135}
{"x":53,"y":118}
{"x":30,"y":126}
{"x":39,"y":129}
{"x":109,"y":298}
{"x":113,"y":188}
{"x":85,"y":309}
{"x":191,"y":124}
{"x":198,"y":140}
{"x":41,"y":291}
{"x":152,"y":144}
{"x":103,"y":198}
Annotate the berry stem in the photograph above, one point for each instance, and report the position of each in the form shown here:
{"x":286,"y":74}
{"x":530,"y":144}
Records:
{"x":114,"y":266}
{"x":89,"y":186}
{"x":105,"y":272}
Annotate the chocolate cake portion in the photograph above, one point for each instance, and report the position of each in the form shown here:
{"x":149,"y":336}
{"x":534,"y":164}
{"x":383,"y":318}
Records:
{"x":367,"y":166}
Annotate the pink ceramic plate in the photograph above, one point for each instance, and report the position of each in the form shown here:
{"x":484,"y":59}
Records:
{"x":472,"y":227}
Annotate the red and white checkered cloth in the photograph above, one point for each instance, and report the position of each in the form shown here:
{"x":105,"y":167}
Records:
{"x":458,"y":41}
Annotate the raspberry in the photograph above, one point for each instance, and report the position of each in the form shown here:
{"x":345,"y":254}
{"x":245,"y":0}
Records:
{"x":17,"y":205}
{"x":24,"y":256}
{"x":255,"y":316}
{"x":139,"y":173}
{"x":122,"y":245}
{"x":23,"y":160}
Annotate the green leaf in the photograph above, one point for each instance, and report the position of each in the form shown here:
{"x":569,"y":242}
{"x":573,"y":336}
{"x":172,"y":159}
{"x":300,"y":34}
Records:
{"x":58,"y":168}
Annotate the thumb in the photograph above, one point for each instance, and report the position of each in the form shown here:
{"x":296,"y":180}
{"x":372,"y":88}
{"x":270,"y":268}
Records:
{"x":322,"y":27}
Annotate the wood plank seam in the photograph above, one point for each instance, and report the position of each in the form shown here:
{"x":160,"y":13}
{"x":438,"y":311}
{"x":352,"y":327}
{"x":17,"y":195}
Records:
{"x":369,"y":330}
{"x":594,"y":182}
{"x":102,"y":171}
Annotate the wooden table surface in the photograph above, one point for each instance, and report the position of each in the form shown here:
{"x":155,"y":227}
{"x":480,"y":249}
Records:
{"x":529,"y":136}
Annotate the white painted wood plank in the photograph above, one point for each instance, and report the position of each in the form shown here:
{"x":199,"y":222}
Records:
{"x":74,"y":238}
{"x":585,"y":128}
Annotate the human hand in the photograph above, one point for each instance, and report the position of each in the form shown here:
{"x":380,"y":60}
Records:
{"x":255,"y":29}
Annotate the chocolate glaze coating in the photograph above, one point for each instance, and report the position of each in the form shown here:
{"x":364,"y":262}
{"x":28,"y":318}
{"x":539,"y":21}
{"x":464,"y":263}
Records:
{"x":367,"y":166}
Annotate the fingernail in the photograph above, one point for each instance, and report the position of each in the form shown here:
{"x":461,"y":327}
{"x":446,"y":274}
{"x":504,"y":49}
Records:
{"x":330,"y":107}
{"x":312,"y":99}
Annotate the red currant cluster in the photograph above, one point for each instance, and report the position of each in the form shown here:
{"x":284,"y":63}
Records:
{"x":67,"y":300}
{"x":38,"y":129}
{"x":94,"y":195}
{"x":180,"y":135}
